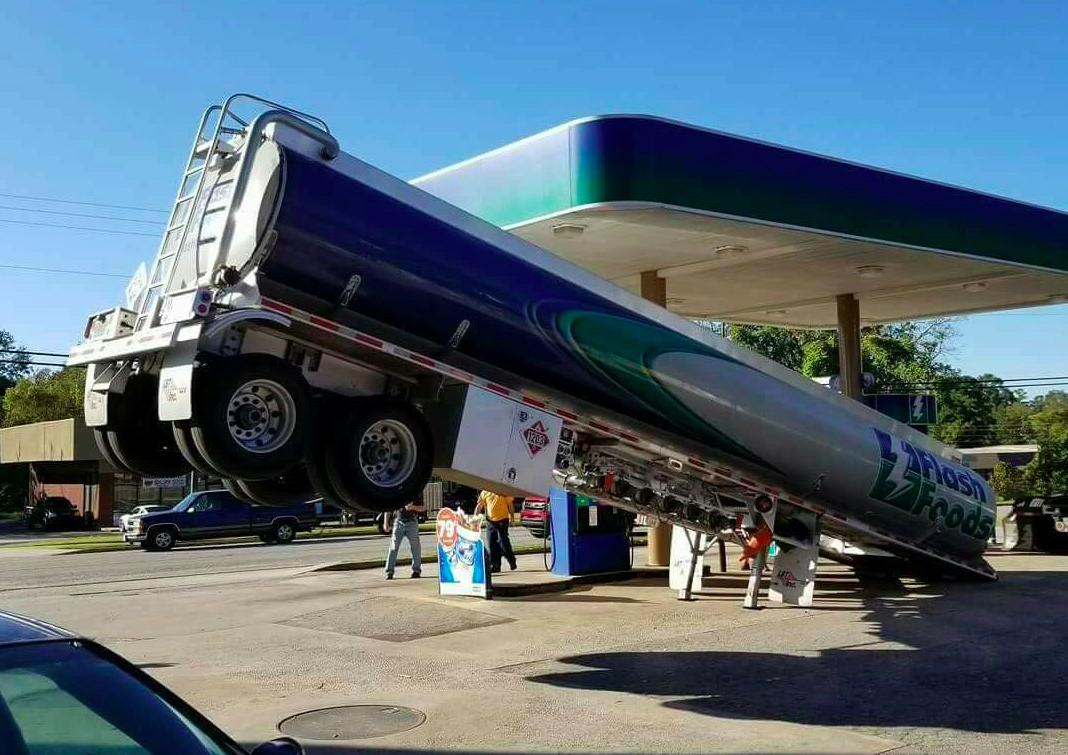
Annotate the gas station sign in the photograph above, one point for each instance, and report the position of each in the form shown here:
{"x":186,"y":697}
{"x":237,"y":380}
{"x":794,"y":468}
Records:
{"x":910,"y":409}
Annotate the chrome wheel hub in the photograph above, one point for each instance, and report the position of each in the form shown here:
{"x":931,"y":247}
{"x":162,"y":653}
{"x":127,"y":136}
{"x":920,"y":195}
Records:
{"x":388,"y":453}
{"x":261,"y":416}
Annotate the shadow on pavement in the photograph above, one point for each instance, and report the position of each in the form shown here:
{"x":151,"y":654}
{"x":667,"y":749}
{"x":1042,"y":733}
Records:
{"x":971,"y":657}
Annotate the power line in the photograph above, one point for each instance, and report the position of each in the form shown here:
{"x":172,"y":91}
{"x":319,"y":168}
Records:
{"x":88,"y":204}
{"x":79,"y":228}
{"x":81,"y":215}
{"x":61,"y":271}
{"x":33,"y":353}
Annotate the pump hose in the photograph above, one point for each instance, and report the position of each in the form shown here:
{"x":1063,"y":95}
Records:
{"x":545,"y":543}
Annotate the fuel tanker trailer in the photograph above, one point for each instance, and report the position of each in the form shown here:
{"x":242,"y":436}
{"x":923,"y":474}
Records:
{"x":313,"y":324}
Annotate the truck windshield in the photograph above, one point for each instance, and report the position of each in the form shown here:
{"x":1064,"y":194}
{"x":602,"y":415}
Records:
{"x":186,"y":502}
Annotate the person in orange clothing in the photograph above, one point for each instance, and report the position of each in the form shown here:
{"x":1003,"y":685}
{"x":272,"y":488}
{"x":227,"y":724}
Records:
{"x":498,"y":510}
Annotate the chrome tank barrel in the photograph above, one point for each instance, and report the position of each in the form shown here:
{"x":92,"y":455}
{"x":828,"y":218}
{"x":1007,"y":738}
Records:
{"x":425,"y":272}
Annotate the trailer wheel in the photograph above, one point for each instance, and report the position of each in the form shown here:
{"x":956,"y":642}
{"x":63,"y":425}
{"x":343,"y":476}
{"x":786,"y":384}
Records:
{"x":315,"y":459}
{"x":100,"y":435}
{"x":292,"y":487}
{"x":233,"y":487}
{"x":379,"y":456}
{"x":135,"y":435}
{"x":183,"y":440}
{"x":252,"y":417}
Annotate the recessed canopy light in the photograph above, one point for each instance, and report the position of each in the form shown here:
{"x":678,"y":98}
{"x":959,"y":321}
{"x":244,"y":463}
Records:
{"x":568,"y":230}
{"x":728,"y":250}
{"x":776,"y":313}
{"x":974,"y":287}
{"x":870,"y":271}
{"x":674,"y":301}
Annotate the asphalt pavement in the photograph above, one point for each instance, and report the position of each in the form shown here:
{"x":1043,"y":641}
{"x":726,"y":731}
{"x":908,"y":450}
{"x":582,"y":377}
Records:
{"x":24,"y":568}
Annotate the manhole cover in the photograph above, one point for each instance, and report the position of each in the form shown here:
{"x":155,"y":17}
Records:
{"x":352,"y":722}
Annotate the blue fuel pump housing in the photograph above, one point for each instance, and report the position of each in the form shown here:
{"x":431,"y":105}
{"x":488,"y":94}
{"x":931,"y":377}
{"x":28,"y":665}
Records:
{"x":587,"y":536}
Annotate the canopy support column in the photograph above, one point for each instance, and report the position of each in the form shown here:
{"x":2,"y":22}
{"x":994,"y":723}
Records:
{"x":850,"y":367}
{"x":658,"y":553}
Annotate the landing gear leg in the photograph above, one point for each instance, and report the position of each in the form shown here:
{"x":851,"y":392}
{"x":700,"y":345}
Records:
{"x":756,"y":572}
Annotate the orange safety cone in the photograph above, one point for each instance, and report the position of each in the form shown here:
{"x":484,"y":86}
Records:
{"x":758,"y":542}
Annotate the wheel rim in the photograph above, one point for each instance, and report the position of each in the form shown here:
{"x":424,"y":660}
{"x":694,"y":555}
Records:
{"x":285,"y":532}
{"x":261,"y":416}
{"x":387,"y":453}
{"x":163,"y":540}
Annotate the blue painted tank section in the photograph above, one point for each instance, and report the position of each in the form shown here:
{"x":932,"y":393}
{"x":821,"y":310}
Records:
{"x":444,"y":276}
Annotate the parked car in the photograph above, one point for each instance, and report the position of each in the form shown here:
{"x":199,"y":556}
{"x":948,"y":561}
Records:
{"x":534,"y":515}
{"x":217,"y":513}
{"x":138,"y":511}
{"x":61,"y":693}
{"x":53,"y":513}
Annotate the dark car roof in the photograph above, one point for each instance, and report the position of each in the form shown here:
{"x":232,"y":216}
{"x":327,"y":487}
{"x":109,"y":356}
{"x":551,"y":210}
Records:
{"x":15,"y":628}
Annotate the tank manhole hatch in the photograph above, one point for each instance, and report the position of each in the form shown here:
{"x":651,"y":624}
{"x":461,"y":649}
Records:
{"x":352,"y":722}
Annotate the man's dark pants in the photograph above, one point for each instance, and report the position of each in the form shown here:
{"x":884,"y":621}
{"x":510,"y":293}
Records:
{"x":500,"y":544}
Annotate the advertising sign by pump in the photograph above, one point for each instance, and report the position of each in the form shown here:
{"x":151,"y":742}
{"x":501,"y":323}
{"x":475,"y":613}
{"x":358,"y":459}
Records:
{"x":461,"y":554}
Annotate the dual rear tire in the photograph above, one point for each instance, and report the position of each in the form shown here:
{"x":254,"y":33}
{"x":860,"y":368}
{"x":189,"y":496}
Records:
{"x":256,"y":425}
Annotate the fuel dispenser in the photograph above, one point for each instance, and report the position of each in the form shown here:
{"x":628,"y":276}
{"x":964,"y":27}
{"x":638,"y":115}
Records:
{"x":587,"y":536}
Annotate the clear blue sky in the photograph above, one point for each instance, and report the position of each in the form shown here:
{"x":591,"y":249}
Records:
{"x":100,"y":100}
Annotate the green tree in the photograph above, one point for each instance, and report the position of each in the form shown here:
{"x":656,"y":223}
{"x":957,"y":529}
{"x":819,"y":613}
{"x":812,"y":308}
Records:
{"x":44,"y":396}
{"x":968,"y":410}
{"x":14,"y":361}
{"x":1009,"y":482}
{"x":1047,"y":473}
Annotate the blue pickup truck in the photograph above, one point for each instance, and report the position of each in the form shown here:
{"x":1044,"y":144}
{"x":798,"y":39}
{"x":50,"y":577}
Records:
{"x":217,"y":513}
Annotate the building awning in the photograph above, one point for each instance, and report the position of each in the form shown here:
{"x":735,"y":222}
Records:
{"x":747,"y":231}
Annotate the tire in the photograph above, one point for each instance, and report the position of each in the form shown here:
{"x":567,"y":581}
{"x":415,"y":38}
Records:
{"x":100,"y":435}
{"x":183,"y":440}
{"x":160,"y":539}
{"x":252,"y":417}
{"x":379,"y":455}
{"x":234,"y":488}
{"x":283,"y":532}
{"x":291,"y":488}
{"x":137,"y":439}
{"x":315,"y":459}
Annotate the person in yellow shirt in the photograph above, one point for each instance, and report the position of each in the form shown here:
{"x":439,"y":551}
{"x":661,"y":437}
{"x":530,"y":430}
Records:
{"x":498,"y":510}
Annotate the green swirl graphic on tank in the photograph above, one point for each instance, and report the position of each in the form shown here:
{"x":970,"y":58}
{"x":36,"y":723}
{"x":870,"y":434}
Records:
{"x":887,"y":476}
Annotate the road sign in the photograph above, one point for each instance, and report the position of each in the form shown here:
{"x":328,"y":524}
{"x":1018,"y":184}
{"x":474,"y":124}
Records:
{"x":912,"y":409}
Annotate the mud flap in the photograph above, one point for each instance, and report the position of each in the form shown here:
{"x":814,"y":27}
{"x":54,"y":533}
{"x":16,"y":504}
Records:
{"x":101,"y":380}
{"x":175,"y":400}
{"x":793,"y":575}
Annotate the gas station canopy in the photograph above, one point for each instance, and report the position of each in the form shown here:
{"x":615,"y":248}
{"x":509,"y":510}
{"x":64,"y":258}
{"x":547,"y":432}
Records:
{"x":752,"y":232}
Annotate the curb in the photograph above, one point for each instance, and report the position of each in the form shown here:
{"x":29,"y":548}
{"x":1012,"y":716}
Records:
{"x":380,"y":563}
{"x":432,"y":558}
{"x":505,"y":590}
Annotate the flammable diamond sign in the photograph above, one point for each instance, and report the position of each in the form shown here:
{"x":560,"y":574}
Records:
{"x":536,"y":437}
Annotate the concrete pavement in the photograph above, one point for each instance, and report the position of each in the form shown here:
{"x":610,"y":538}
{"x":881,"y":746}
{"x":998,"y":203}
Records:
{"x":909,"y":667}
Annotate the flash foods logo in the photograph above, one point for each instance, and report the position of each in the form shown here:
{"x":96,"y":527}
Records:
{"x":916,"y":481}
